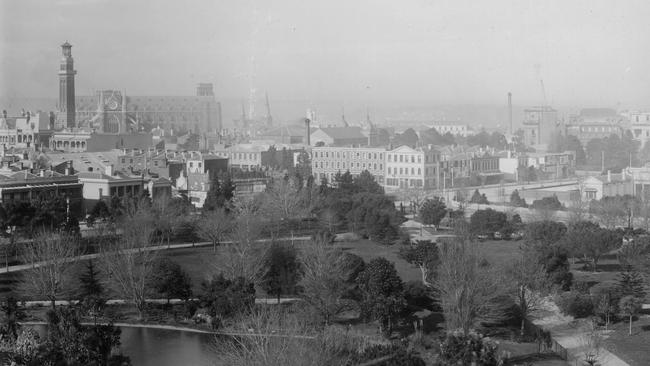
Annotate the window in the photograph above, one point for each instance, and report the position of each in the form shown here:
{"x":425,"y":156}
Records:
{"x":401,"y":158}
{"x":400,"y":170}
{"x":123,"y":161}
{"x":191,"y":164}
{"x":419,"y":158}
{"x":388,"y":170}
{"x":130,"y":161}
{"x":419,"y":171}
{"x":381,"y":166}
{"x":375,"y":166}
{"x":412,"y":171}
{"x":389,"y":156}
{"x":412,"y":159}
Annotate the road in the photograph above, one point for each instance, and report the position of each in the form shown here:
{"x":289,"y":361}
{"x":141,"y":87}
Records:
{"x":22,"y":267}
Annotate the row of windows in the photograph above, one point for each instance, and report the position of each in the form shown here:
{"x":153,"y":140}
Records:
{"x":403,"y":183}
{"x":403,"y":158}
{"x":343,"y":165}
{"x":404,"y":171}
{"x":358,"y":155}
{"x":330,"y":177}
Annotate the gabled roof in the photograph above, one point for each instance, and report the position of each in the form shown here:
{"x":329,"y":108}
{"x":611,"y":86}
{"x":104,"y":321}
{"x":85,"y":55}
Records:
{"x":343,"y":133}
{"x":405,"y":149}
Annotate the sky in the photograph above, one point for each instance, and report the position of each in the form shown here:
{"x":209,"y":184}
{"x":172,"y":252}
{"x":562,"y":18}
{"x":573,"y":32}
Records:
{"x":348,"y":53}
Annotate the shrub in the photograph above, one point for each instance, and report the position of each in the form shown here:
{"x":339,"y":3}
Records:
{"x":576,"y":304}
{"x":418,"y":295}
{"x":467,"y":349}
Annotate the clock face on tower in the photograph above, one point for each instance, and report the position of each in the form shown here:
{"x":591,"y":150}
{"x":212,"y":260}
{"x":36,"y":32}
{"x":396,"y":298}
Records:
{"x":112,"y":104}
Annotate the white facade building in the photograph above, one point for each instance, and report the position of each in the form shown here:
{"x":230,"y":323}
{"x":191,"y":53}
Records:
{"x":327,"y":161}
{"x":410,"y":168}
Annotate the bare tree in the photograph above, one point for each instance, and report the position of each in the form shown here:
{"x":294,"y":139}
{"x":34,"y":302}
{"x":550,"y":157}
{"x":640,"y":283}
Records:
{"x":282,"y":201}
{"x":322,"y":281}
{"x":529,"y":285}
{"x":244,"y":256}
{"x":51,"y":256}
{"x":470,"y":291}
{"x":129,"y":261}
{"x":214,"y":226}
{"x":591,"y":346}
{"x":281,"y":338}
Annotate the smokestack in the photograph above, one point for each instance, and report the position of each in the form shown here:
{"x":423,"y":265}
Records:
{"x":510,"y":110}
{"x":307,"y":132}
{"x":609,"y":176}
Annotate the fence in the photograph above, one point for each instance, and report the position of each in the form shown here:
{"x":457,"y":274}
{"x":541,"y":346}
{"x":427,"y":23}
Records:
{"x":545,"y":341}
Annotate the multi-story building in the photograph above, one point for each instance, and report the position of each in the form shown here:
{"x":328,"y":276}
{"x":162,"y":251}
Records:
{"x":412,"y":168}
{"x":326,"y":162}
{"x":455,"y":129}
{"x":539,"y":125}
{"x":639,"y":125}
{"x":593,"y":123}
{"x":250,"y":157}
{"x":26,"y":186}
{"x":30,"y":130}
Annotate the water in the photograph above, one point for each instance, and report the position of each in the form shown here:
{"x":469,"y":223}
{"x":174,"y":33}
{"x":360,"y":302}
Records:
{"x":162,"y":347}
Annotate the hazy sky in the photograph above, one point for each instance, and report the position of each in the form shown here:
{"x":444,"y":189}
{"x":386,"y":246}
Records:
{"x":587,"y":52}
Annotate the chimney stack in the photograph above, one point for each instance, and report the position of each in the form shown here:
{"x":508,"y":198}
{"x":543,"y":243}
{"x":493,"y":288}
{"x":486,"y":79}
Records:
{"x":510,"y":110}
{"x":609,"y":176}
{"x":307,"y":132}
{"x":109,"y":170}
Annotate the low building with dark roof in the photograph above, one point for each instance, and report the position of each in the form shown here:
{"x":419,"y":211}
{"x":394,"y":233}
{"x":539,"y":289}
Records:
{"x":338,"y":136}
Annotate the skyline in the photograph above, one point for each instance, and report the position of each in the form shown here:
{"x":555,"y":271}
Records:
{"x":353,"y":55}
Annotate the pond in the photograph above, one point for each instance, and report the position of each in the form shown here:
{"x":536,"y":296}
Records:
{"x":164,"y":347}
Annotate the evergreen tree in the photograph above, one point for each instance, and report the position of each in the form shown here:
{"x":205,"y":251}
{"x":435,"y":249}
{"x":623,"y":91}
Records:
{"x":281,"y":272}
{"x":630,"y":283}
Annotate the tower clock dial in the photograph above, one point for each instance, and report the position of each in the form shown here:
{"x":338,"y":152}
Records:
{"x":112,"y":104}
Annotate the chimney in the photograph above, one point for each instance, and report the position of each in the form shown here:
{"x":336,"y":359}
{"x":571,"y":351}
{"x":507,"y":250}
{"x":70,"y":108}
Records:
{"x":609,"y":176}
{"x":41,"y":173}
{"x":109,"y":170}
{"x":510,"y":110}
{"x":307,"y":132}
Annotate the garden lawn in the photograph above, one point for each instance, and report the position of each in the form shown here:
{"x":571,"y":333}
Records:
{"x":634,"y":349}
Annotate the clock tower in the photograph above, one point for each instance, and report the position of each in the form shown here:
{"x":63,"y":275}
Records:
{"x":66,"y":116}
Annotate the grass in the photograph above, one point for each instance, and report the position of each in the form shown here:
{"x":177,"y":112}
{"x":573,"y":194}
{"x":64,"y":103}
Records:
{"x":633,"y":349}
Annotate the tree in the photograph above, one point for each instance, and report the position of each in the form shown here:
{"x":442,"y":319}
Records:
{"x":129,"y":261}
{"x":168,"y":215}
{"x":487,"y":221}
{"x":243,"y":257}
{"x":529,"y":286}
{"x":220,"y":193}
{"x":365,"y":182}
{"x":517,"y":201}
{"x":91,"y":289}
{"x":478,"y":198}
{"x":459,"y":348}
{"x":542,"y":240}
{"x":170,"y":280}
{"x":589,"y":240}
{"x":547,"y":203}
{"x":630,"y":283}
{"x":323,"y":280}
{"x":409,"y":138}
{"x":214,"y":226}
{"x":281,"y":271}
{"x":630,"y":306}
{"x":432,"y":211}
{"x":382,"y":292}
{"x":425,"y":255}
{"x":51,"y":259}
{"x":226,"y":297}
{"x":469,"y":291}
